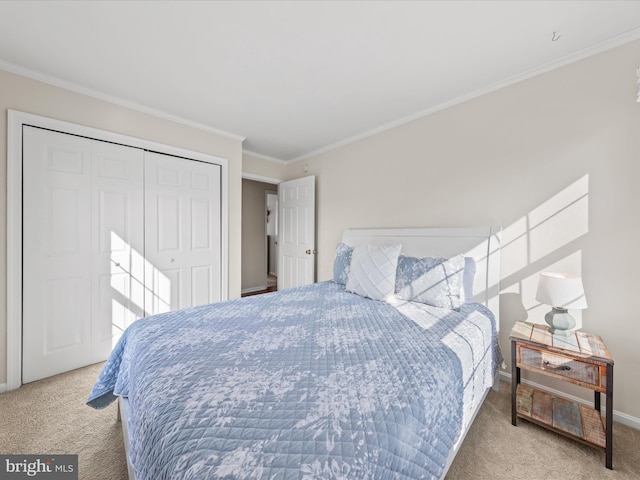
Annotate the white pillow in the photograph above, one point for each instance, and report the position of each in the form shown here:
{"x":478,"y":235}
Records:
{"x":373,"y":270}
{"x":467,"y":279}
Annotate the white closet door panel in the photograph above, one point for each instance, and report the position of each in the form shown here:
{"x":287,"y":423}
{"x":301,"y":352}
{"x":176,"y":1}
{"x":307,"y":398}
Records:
{"x":182,"y":232}
{"x":200,"y":216}
{"x":201,"y":287}
{"x":57,"y":246}
{"x":204,"y":237}
{"x":168,"y":231}
{"x":63,"y":235}
{"x":118,"y":243}
{"x":96,"y":258}
{"x":162,"y":289}
{"x":63,"y":328}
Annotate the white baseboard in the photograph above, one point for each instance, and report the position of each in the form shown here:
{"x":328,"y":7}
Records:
{"x":3,"y":387}
{"x":253,"y":289}
{"x":619,"y":417}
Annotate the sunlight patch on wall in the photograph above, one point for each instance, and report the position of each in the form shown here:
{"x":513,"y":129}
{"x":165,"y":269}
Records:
{"x":544,"y":240}
{"x":559,"y":221}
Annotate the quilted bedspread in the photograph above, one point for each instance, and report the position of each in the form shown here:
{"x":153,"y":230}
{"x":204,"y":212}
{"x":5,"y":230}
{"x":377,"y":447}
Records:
{"x":306,"y":383}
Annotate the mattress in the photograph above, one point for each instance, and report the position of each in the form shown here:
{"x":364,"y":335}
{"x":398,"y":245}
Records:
{"x":306,"y":383}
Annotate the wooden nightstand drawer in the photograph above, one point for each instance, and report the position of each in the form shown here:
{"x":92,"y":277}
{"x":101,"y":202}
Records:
{"x":579,"y":358}
{"x":582,"y":372}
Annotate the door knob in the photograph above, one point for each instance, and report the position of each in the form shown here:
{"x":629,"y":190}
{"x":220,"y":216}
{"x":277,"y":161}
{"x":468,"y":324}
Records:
{"x":309,"y":252}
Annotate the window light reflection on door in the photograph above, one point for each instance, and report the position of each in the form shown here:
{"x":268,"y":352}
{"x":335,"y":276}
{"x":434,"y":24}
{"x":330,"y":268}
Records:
{"x":138,"y":289}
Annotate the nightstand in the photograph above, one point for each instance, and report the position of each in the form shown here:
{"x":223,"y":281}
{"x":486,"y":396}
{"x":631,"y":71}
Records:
{"x":579,"y":358}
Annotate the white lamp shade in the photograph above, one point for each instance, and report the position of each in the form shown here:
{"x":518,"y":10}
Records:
{"x":561,"y":290}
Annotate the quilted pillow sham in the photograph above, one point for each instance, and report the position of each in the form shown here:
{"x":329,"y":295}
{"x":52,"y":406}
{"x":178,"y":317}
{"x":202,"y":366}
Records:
{"x":430,"y":280}
{"x":468,"y":277}
{"x":342,"y":263}
{"x":372,"y":272}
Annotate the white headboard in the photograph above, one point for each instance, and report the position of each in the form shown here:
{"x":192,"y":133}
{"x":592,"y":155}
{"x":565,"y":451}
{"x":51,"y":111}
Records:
{"x":481,"y":243}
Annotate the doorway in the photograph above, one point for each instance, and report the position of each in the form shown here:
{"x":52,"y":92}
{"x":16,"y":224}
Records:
{"x":272,"y":240}
{"x":294,"y":224}
{"x":259,"y":237}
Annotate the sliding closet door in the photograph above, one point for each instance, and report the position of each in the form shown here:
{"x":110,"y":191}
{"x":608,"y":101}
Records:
{"x":182,"y":233}
{"x":57,"y":246}
{"x":82,"y":233}
{"x":111,"y":234}
{"x":117,"y":243}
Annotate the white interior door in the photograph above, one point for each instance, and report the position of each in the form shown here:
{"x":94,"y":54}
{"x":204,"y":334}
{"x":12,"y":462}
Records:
{"x":57,"y":246}
{"x":80,"y":217}
{"x":296,"y":237}
{"x":117,"y":243}
{"x":182,"y":233}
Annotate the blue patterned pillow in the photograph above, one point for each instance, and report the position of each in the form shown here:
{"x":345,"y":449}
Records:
{"x":342,"y":263}
{"x":430,"y":280}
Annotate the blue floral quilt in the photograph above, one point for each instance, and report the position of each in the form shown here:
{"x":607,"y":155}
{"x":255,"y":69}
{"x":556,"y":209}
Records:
{"x":306,"y":383}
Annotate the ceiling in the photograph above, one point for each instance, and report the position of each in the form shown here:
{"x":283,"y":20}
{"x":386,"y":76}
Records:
{"x":296,"y":78}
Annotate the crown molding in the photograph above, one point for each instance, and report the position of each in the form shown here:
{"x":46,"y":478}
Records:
{"x":265,"y":157}
{"x":74,"y":87}
{"x":627,"y":37}
{"x":261,"y":178}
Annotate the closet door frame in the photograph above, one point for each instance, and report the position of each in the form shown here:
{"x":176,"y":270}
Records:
{"x":15,"y":122}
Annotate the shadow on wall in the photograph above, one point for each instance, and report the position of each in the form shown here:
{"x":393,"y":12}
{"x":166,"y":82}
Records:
{"x":546,"y":239}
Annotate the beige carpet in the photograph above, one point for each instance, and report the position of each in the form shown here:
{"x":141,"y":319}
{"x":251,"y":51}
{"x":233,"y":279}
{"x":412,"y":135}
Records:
{"x":50,"y":416}
{"x":494,"y":449}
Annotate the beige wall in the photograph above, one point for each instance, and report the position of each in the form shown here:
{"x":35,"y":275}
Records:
{"x":26,"y":95}
{"x":254,"y":234}
{"x":554,"y":159}
{"x":267,"y":169}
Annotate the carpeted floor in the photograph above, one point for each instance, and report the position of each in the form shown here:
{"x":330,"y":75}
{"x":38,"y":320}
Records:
{"x":50,"y":416}
{"x":496,"y":450}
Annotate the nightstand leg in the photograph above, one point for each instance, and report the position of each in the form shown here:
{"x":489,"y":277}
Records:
{"x":609,"y":419}
{"x":596,"y":400}
{"x":515,"y":380}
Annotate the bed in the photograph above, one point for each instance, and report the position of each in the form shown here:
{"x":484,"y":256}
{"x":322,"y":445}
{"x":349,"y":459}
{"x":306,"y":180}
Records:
{"x":324,"y":381}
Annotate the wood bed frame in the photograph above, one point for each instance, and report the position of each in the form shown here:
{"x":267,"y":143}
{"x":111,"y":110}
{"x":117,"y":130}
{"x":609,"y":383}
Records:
{"x":481,"y":243}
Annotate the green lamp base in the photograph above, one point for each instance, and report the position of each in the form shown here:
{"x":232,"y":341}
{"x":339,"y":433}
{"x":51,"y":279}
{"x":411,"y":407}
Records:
{"x":559,"y":321}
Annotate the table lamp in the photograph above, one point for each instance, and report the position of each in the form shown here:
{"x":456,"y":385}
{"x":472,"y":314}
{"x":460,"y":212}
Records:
{"x":561,"y":291}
